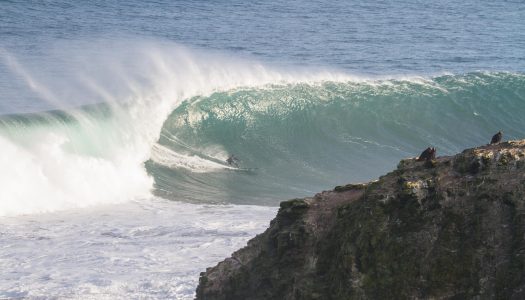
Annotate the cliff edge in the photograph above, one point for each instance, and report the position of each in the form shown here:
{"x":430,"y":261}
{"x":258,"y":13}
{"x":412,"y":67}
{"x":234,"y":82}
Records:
{"x":450,"y":228}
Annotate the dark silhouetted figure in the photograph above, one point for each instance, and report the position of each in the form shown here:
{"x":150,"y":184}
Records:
{"x":233,"y":161}
{"x":428,"y":154}
{"x":496,"y":138}
{"x":432,"y":154}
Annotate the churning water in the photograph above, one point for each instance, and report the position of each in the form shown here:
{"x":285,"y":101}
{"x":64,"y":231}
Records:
{"x":116,"y":120}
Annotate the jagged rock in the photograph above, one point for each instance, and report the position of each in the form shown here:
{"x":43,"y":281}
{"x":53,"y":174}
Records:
{"x":455,"y":229}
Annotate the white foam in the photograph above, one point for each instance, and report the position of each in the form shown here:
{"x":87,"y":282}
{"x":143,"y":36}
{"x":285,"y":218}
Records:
{"x":148,"y":249}
{"x":194,"y":163}
{"x":45,"y":177}
{"x":93,"y":160}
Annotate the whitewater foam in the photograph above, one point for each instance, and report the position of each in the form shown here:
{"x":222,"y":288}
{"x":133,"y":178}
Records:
{"x":171,"y":159}
{"x":150,"y":249}
{"x":52,"y":167}
{"x":282,"y":118}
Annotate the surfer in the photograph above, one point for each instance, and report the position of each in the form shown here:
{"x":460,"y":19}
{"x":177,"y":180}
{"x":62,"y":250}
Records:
{"x":496,"y":138}
{"x":233,"y":161}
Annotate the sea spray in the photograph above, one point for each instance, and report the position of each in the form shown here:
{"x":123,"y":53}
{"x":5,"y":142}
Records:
{"x":52,"y":166}
{"x":161,"y":119}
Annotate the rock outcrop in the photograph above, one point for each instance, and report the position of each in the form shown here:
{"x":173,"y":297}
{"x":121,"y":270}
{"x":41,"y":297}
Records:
{"x":449,"y":228}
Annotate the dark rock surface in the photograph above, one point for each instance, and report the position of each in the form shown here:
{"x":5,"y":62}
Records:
{"x":451,"y":228}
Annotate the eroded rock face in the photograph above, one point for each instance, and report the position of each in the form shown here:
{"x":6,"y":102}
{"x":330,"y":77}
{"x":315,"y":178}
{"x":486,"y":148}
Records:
{"x":450,"y":228}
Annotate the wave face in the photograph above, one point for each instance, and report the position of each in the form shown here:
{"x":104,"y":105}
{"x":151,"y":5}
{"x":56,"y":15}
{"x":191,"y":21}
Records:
{"x":297,"y":139}
{"x":95,"y":155}
{"x":168,"y":121}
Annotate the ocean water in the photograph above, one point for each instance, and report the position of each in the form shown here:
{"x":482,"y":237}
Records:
{"x":116,"y":120}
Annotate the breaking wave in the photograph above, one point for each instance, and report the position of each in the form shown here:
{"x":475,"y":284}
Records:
{"x":166,"y":118}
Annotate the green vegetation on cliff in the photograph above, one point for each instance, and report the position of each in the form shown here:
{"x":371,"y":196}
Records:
{"x":451,"y":229}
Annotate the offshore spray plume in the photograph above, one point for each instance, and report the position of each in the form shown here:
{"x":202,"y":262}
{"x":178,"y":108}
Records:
{"x":96,"y":155}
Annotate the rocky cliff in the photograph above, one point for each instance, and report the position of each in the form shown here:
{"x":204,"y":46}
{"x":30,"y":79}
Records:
{"x":450,"y":228}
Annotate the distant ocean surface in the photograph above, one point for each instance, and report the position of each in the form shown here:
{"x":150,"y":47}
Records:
{"x":116,"y":120}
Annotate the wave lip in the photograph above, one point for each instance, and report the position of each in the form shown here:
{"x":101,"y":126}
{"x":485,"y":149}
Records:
{"x":95,"y":157}
{"x":301,"y":137}
{"x":168,"y":117}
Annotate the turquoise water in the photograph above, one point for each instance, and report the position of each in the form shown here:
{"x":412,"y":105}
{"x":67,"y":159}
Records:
{"x":304,"y":138}
{"x":293,"y":139}
{"x":309,"y":94}
{"x":116,"y":119}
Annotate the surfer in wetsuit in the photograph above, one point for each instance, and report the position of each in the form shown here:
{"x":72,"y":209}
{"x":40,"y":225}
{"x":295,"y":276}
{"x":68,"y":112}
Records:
{"x":233,"y":161}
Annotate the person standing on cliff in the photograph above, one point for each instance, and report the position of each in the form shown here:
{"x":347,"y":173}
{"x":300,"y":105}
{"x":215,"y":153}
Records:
{"x":428,"y":154}
{"x":497,"y":138}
